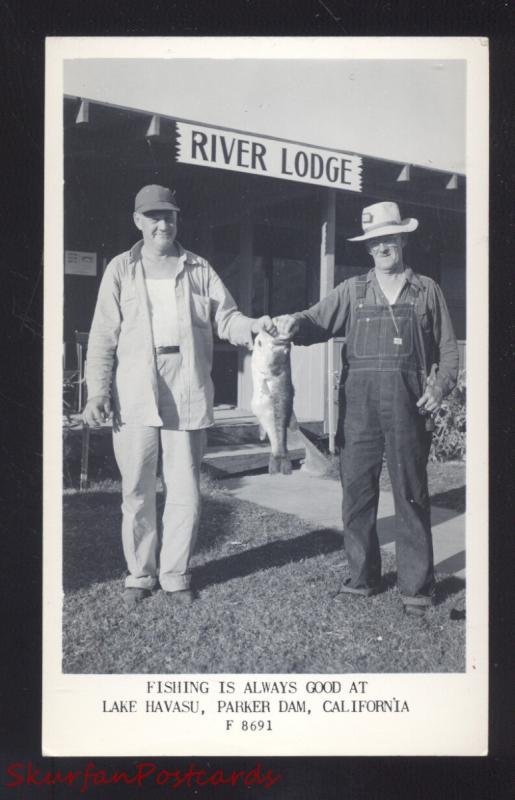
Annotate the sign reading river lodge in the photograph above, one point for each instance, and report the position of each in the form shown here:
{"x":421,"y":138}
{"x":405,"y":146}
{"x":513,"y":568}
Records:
{"x":240,"y":152}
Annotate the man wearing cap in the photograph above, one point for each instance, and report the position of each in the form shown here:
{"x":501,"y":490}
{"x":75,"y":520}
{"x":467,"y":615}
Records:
{"x":149,"y":368}
{"x":399,"y":361}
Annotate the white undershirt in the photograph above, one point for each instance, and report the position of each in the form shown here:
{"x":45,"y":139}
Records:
{"x":392,"y":299}
{"x":163,"y":311}
{"x":390,"y":290}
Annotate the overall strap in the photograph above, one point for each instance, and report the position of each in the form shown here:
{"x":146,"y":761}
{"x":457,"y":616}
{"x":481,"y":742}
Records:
{"x":357,"y":293}
{"x":359,"y":285}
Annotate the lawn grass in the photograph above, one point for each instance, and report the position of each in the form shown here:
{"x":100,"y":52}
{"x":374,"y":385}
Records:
{"x":266,"y":603}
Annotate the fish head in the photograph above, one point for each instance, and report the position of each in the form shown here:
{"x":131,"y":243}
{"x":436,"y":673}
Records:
{"x":271,"y":354}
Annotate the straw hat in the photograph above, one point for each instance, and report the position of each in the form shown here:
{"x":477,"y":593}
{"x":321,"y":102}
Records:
{"x":383,"y":219}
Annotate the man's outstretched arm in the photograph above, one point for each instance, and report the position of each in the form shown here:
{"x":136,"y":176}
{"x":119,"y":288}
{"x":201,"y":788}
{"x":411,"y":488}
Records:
{"x":320,"y":322}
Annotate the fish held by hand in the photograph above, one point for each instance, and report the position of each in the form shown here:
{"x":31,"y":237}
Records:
{"x":272,"y":398}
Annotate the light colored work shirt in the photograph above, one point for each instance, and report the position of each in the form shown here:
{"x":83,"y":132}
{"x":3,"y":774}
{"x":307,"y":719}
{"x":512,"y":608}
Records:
{"x":120,"y":359}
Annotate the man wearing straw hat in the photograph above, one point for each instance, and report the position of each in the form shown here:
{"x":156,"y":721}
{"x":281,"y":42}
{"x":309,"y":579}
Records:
{"x":149,"y":367}
{"x":400,"y":360}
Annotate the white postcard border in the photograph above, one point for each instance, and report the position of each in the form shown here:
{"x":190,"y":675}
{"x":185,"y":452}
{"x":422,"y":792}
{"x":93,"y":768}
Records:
{"x":448,"y":713}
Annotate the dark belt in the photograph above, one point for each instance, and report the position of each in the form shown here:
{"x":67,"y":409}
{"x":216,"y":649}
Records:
{"x":161,"y":351}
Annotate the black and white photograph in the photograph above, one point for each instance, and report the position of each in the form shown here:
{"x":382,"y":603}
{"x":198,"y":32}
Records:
{"x":264,"y":505}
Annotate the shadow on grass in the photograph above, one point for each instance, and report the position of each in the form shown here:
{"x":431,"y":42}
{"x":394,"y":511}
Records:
{"x":267,"y":556}
{"x":92,"y":547}
{"x":387,"y":533}
{"x":388,"y":581}
{"x":451,"y":499}
{"x":445,"y":587}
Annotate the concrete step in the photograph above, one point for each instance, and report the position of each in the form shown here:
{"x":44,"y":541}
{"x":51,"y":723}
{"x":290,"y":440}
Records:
{"x":235,"y":459}
{"x":238,"y":456}
{"x":237,"y":432}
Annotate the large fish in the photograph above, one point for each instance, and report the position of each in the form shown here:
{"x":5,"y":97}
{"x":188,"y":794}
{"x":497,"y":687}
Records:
{"x":272,"y":398}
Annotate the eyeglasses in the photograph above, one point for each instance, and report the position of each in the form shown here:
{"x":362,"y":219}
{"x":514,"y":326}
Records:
{"x":388,"y":241}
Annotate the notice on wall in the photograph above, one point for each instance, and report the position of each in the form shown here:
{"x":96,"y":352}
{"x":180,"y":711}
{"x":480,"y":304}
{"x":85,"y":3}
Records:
{"x":275,"y":158}
{"x":77,"y":262}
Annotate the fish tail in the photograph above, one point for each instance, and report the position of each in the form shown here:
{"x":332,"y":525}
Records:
{"x":273,"y":464}
{"x":286,"y":466}
{"x":280,"y":464}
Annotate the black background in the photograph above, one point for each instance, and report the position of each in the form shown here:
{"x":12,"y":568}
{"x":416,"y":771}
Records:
{"x":22,"y":31}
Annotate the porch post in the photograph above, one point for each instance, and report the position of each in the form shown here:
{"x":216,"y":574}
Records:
{"x":327,"y":251}
{"x":245,"y":305}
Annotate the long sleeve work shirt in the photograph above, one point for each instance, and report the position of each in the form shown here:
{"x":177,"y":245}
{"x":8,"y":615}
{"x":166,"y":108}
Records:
{"x":120,"y":359}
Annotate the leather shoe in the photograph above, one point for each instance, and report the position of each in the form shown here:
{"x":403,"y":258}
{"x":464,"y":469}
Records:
{"x":132,"y":595}
{"x":363,"y":591}
{"x":182,"y":597}
{"x":415,"y":611}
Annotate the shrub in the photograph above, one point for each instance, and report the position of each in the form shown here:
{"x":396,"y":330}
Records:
{"x":449,"y":437}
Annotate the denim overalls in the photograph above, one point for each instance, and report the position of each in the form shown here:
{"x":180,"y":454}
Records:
{"x":378,"y":414}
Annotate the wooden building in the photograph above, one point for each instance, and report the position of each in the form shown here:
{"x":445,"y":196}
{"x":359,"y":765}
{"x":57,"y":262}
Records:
{"x":272,"y":217}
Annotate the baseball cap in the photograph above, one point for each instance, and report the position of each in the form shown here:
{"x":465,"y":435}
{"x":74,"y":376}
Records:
{"x":155,"y":198}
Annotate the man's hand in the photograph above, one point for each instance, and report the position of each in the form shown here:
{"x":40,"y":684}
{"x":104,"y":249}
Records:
{"x":431,"y":400}
{"x":96,"y":411}
{"x":264,"y":324}
{"x":286,"y":326}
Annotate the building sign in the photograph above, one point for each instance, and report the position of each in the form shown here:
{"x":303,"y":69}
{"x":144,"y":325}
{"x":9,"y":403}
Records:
{"x":79,"y":263}
{"x":275,"y":158}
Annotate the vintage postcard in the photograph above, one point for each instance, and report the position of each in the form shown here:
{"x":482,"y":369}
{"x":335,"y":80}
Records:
{"x":265,"y":413}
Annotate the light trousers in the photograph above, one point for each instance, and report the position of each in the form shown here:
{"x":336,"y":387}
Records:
{"x":152,"y":550}
{"x":160,"y":549}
